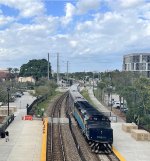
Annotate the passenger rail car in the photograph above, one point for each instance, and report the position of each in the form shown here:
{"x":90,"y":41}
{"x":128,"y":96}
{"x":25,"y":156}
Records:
{"x":94,"y":125}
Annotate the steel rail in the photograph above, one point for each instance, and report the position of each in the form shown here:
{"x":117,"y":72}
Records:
{"x":51,"y":156}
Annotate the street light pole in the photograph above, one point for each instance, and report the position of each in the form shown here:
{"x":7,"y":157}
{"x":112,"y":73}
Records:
{"x":110,"y":77}
{"x":93,"y":82}
{"x":67,"y":73}
{"x":8,"y":89}
{"x":48,"y":68}
{"x":111,"y":99}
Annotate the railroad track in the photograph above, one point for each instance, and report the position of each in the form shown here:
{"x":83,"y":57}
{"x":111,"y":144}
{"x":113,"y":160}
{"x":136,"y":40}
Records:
{"x":55,"y":148}
{"x":84,"y":154}
{"x":55,"y":144}
{"x":107,"y":154}
{"x":108,"y":157}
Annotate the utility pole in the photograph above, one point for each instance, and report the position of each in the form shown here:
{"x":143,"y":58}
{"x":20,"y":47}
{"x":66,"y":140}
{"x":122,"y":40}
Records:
{"x":48,"y":68}
{"x":84,"y":78}
{"x":57,"y":68}
{"x":99,"y":76}
{"x":93,"y":82}
{"x":111,"y":88}
{"x":67,"y":72}
{"x":8,"y":89}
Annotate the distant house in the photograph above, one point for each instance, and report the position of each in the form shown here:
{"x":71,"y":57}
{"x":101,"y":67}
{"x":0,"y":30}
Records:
{"x":26,"y":79}
{"x":4,"y":70}
{"x":4,"y":75}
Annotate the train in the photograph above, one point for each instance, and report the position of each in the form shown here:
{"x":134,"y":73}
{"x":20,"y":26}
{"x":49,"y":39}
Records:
{"x":94,"y":125}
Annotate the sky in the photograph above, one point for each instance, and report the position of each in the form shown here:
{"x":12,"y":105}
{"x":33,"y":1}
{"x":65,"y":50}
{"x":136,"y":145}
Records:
{"x":93,"y":35}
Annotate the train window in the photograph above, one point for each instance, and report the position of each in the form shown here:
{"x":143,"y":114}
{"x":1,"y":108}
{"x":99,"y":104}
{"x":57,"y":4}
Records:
{"x":83,"y":111}
{"x":104,"y":123}
{"x":76,"y":105}
{"x":95,"y":119}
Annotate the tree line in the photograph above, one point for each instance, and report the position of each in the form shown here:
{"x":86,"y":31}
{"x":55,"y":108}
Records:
{"x":133,"y":88}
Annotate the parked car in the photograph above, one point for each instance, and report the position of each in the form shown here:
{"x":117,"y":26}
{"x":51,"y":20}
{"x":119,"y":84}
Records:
{"x":117,"y":104}
{"x":12,"y":98}
{"x":124,"y":109}
{"x":17,"y":94}
{"x":111,"y":102}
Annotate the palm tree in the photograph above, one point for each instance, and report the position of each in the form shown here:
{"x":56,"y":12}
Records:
{"x":10,"y":70}
{"x":102,"y":86}
{"x":16,"y":70}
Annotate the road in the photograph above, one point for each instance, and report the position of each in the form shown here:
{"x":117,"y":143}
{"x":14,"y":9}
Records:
{"x":21,"y":103}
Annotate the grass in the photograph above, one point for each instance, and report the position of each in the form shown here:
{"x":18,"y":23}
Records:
{"x":45,"y":104}
{"x":86,"y":96}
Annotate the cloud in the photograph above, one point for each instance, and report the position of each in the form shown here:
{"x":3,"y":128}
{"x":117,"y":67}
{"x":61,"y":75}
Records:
{"x":81,"y":7}
{"x":27,"y":8}
{"x":21,"y":42}
{"x":112,"y":32}
{"x":105,"y":35}
{"x":70,"y":11}
{"x":130,"y":3}
{"x":84,"y":6}
{"x":51,"y":23}
{"x":73,"y":43}
{"x":5,"y":20}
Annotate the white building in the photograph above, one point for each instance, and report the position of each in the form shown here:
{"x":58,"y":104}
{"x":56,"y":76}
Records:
{"x":26,"y":79}
{"x":137,"y":62}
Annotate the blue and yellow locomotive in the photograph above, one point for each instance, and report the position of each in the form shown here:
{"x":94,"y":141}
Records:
{"x":94,"y":124}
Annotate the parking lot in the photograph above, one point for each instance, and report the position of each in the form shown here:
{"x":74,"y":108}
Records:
{"x":21,"y":102}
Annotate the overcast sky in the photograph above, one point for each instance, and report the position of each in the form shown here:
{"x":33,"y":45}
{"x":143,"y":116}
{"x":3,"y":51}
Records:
{"x":93,"y":35}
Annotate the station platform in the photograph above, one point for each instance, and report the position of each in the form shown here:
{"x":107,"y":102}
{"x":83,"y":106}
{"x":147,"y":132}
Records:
{"x":25,"y":136}
{"x":124,"y":146}
{"x":128,"y":147}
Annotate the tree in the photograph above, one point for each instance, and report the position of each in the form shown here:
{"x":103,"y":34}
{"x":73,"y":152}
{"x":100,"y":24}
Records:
{"x":45,"y":87}
{"x":15,"y":70}
{"x":10,"y":70}
{"x":35,"y":68}
{"x":101,"y":86}
{"x":10,"y":75}
{"x":142,"y":86}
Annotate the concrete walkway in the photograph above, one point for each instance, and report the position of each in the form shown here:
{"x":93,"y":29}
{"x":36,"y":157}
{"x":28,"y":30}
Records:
{"x":102,"y":107}
{"x":128,"y":148}
{"x":25,"y":136}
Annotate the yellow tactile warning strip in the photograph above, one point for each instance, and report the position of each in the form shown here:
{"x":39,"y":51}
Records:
{"x":119,"y":156}
{"x":44,"y":144}
{"x":44,"y":140}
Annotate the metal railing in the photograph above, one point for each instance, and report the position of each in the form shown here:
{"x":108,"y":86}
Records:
{"x":36,"y":101}
{"x":5,"y":123}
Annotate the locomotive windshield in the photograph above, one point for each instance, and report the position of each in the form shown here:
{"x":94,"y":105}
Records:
{"x":99,"y":118}
{"x":99,"y":123}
